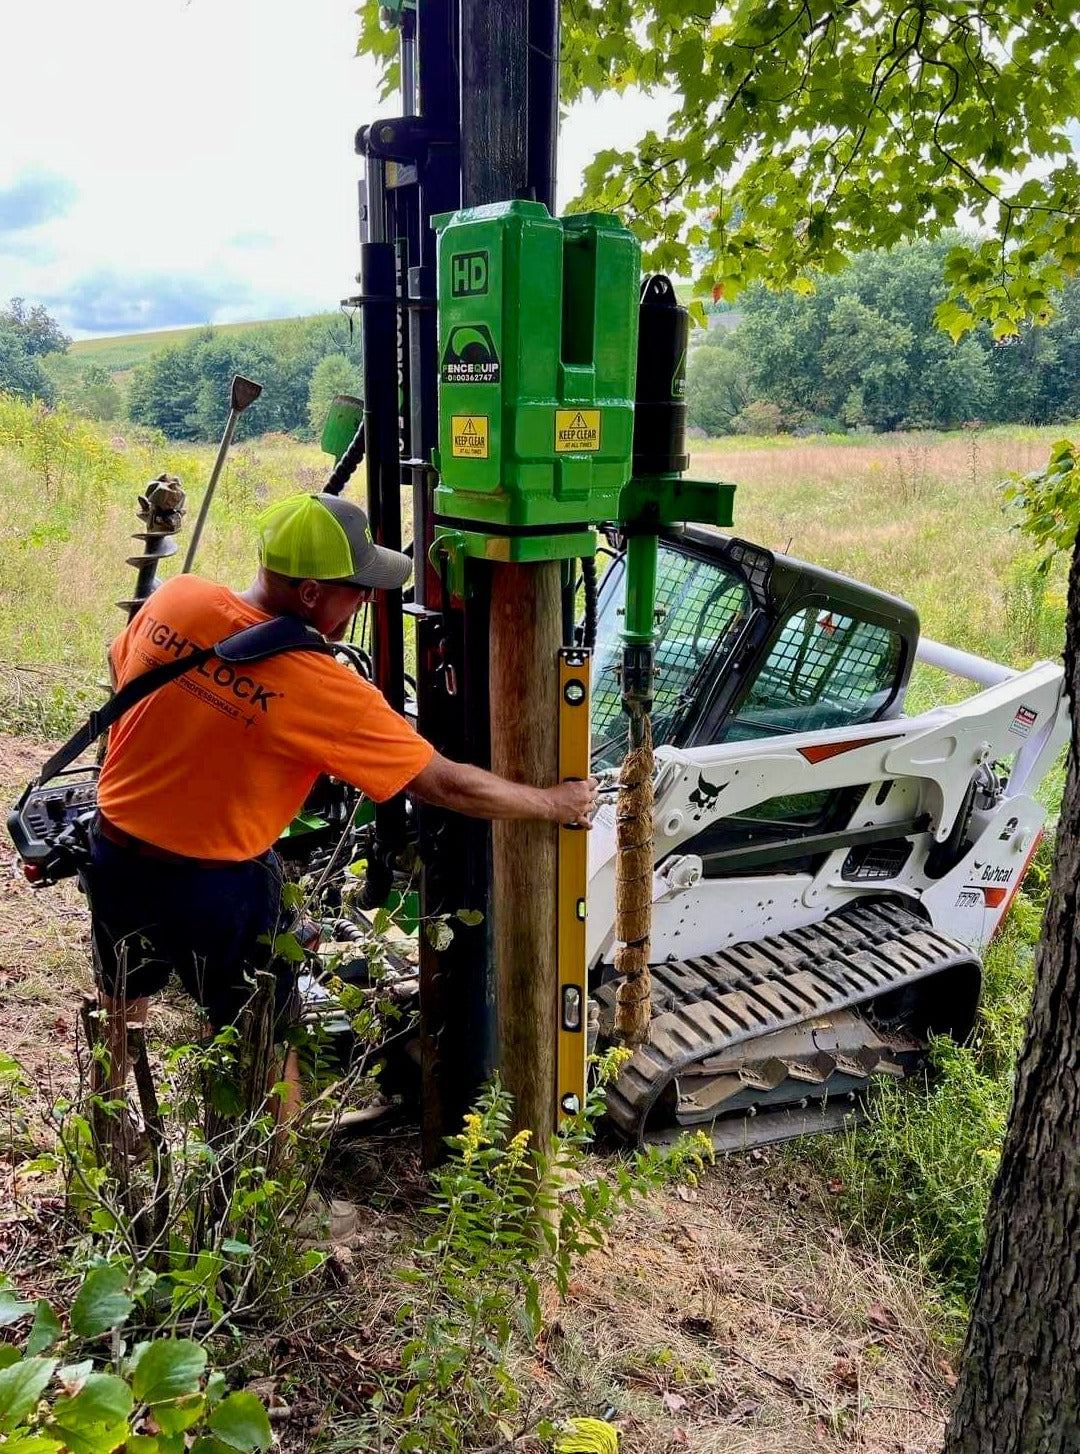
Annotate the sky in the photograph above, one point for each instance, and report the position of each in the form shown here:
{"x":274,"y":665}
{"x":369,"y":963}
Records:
{"x":173,"y":162}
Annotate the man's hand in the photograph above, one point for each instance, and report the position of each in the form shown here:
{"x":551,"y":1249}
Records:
{"x":481,"y":794}
{"x":574,"y":802}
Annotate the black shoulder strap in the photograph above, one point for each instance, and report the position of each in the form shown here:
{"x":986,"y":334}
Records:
{"x":254,"y":643}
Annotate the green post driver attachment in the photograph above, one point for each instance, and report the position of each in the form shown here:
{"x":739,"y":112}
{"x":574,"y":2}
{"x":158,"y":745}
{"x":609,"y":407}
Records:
{"x":343,"y":437}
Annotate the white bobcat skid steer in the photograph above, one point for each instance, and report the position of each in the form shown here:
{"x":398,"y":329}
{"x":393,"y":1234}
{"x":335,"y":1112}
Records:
{"x":827,"y":869}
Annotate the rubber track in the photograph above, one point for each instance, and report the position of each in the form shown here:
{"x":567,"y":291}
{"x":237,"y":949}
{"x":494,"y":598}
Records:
{"x":705,"y":1005}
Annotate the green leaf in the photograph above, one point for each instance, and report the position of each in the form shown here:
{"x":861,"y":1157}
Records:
{"x":32,"y":1444}
{"x":207,"y":1444}
{"x":75,"y":1372}
{"x":164,"y":1444}
{"x":169,"y":1369}
{"x":470,"y":917}
{"x":289,"y":948}
{"x":9,"y":1354}
{"x":439,"y":934}
{"x":92,"y":1438}
{"x":215,"y":1389}
{"x":241,"y":1422}
{"x":292,"y":895}
{"x":103,"y":1399}
{"x":94,"y":1420}
{"x":237,"y":1249}
{"x":45,"y":1332}
{"x":12,"y":1308}
{"x":174,"y":1418}
{"x":102,"y":1302}
{"x":21,"y":1385}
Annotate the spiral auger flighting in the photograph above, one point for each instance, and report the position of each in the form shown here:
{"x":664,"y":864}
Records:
{"x":161,"y":509}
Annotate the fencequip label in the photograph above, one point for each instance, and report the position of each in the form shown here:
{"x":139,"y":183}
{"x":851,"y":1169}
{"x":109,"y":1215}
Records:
{"x":469,"y":436}
{"x":577,"y":431}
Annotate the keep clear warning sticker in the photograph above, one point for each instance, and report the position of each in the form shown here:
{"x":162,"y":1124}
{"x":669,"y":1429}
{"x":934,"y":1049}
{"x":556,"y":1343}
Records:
{"x":469,"y":436}
{"x":577,"y":431}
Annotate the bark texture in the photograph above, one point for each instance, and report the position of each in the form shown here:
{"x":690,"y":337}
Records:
{"x":1019,"y":1390}
{"x":526,"y":632}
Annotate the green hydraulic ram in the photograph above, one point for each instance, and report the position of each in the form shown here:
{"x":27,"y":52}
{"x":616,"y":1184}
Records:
{"x":537,"y":347}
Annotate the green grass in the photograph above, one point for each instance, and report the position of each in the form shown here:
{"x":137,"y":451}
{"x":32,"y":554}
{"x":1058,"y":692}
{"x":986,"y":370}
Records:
{"x":68,"y":492}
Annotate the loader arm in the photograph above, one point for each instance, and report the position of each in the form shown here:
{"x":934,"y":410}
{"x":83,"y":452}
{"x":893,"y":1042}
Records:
{"x":773,"y":834}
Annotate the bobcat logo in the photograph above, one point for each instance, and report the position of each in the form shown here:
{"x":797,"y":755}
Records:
{"x":704,"y":796}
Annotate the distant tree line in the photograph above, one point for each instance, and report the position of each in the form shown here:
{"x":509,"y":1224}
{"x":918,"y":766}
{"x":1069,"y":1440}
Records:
{"x":862,"y":351}
{"x":184,"y":391}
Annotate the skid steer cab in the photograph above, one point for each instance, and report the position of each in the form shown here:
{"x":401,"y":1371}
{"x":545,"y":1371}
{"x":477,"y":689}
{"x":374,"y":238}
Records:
{"x":752,"y":645}
{"x":827,"y":867}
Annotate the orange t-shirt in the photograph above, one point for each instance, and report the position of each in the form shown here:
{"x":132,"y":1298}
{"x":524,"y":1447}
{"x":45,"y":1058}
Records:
{"x":216,"y":763}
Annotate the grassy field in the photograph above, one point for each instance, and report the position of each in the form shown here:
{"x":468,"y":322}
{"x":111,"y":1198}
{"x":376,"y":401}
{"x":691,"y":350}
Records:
{"x":68,"y":492}
{"x":918,"y":514}
{"x":125,"y":351}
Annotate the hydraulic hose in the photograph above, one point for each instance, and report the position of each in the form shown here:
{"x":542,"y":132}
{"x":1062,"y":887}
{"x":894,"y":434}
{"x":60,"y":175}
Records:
{"x":345,"y":468}
{"x":588,"y":579}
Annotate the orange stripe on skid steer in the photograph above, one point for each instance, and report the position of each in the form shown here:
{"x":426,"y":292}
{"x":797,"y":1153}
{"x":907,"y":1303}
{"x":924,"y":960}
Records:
{"x":824,"y":750}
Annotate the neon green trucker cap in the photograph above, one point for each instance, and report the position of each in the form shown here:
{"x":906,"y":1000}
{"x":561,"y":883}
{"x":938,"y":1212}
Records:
{"x":325,"y":538}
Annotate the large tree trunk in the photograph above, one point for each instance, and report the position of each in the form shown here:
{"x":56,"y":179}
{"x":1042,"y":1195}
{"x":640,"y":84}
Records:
{"x":1019,"y":1389}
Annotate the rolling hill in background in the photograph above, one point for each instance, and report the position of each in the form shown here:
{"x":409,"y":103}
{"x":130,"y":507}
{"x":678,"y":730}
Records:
{"x":123,"y":352}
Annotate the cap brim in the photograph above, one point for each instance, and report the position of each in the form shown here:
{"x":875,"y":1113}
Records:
{"x":382,"y":570}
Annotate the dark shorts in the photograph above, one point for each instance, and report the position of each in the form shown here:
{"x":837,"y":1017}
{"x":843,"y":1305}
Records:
{"x":214,"y":925}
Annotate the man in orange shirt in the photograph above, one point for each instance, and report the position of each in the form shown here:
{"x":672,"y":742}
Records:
{"x":202,"y":775}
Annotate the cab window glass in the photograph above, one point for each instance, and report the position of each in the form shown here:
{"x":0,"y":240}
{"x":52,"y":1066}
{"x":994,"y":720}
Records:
{"x":703,"y":608}
{"x":825,"y":669}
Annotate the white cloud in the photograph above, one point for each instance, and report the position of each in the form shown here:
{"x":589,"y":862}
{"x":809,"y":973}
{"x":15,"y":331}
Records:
{"x":207,"y":144}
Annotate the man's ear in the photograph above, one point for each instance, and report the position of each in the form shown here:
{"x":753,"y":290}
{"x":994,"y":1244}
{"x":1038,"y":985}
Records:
{"x":310,"y":594}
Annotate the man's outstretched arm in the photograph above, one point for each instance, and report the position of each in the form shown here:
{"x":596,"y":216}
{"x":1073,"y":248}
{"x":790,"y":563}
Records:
{"x":480,"y":794}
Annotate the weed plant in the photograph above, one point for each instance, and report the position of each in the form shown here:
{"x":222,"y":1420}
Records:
{"x":63,"y":1391}
{"x":509,"y":1220}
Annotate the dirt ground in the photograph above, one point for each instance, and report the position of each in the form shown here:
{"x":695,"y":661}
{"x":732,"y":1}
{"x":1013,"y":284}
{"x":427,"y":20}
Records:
{"x":727,"y":1318}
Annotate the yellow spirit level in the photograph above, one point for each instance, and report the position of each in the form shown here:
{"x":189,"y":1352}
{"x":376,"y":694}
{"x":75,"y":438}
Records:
{"x":572,"y":1008}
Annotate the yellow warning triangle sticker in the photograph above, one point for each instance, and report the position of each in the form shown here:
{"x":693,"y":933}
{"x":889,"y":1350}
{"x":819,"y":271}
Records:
{"x":579,"y":421}
{"x":469,"y":428}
